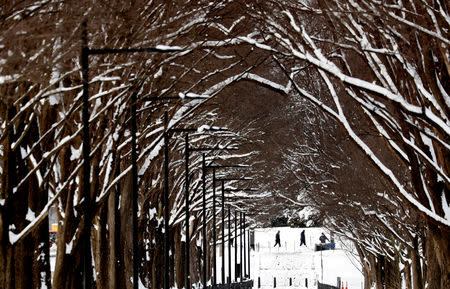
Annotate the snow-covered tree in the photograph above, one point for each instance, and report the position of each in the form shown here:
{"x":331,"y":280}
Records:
{"x":41,"y":132}
{"x":387,"y":63}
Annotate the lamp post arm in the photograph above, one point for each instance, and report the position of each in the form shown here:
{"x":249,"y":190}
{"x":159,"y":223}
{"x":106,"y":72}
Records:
{"x":234,"y":179}
{"x":155,"y":49}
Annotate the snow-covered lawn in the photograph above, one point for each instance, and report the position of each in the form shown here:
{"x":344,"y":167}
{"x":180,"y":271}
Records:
{"x":298,"y":263}
{"x":290,"y":261}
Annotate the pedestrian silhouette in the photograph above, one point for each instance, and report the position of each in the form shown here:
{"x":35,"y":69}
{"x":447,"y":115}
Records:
{"x":302,"y":238}
{"x":277,"y":239}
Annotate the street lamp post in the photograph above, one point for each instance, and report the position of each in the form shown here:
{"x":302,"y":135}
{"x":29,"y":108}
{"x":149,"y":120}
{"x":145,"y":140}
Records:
{"x":249,"y":247}
{"x":214,"y":167}
{"x":204,"y":167}
{"x":214,"y":229}
{"x":187,"y":253}
{"x":240,"y":236}
{"x":229,"y":245}
{"x":222,"y":181}
{"x":235,"y":246}
{"x":134,"y":190}
{"x":86,"y":256}
{"x":166,"y":203}
{"x":223,"y":231}
{"x":240,"y":244}
{"x":245,"y":247}
{"x":188,"y":149}
{"x":167,"y":133}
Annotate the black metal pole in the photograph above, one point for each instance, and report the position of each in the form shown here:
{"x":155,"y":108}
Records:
{"x":223,"y":232}
{"x":229,"y":245}
{"x":204,"y":218}
{"x":245,"y":247}
{"x":249,"y":247}
{"x":117,"y":233}
{"x":240,"y":243}
{"x":187,"y":265}
{"x":134,"y":192}
{"x":214,"y":280}
{"x":235,"y":246}
{"x":86,"y":262}
{"x":166,"y":203}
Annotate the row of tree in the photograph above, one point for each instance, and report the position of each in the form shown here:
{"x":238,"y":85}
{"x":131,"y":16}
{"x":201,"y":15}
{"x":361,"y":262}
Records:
{"x":380,"y":71}
{"x":342,"y":105}
{"x":42,"y":131}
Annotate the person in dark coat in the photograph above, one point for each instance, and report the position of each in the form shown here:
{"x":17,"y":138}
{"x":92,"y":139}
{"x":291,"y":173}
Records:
{"x":323,"y":238}
{"x":302,"y":238}
{"x":277,"y":239}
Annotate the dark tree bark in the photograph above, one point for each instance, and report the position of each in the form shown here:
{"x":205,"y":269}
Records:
{"x":417,"y":278}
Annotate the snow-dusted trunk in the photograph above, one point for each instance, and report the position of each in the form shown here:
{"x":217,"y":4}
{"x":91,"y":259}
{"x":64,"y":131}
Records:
{"x":407,"y":275}
{"x":101,"y":248}
{"x":393,"y":277}
{"x":210,"y":248}
{"x":7,"y":184}
{"x":126,"y":242}
{"x":438,"y":257}
{"x":195,"y":255}
{"x":386,"y":272}
{"x":179,"y":251}
{"x":367,"y":267}
{"x":417,"y":279}
{"x":41,"y":253}
{"x":6,"y":264}
{"x":69,"y":255}
{"x":195,"y":264}
{"x":115,"y":256}
{"x":379,"y":272}
{"x":157,"y":275}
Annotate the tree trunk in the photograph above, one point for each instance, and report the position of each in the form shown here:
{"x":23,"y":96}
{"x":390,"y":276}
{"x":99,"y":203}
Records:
{"x":68,"y":270}
{"x":101,"y":248}
{"x":158,"y":264}
{"x":126,"y":242}
{"x":438,"y":257}
{"x":366,"y":267}
{"x":407,"y":275}
{"x":179,"y":257}
{"x":417,"y":279}
{"x":113,"y":241}
{"x":379,"y":269}
{"x":392,"y":273}
{"x":7,"y":184}
{"x":41,"y":267}
{"x":196,"y":255}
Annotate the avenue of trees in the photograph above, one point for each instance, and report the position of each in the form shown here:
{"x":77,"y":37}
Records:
{"x":360,"y":89}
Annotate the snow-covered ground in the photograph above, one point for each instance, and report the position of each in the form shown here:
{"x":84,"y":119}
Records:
{"x":290,"y":261}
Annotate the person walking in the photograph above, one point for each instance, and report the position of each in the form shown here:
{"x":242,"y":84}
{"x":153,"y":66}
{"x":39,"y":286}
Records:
{"x":277,"y":239}
{"x":302,"y":238}
{"x":323,"y":238}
